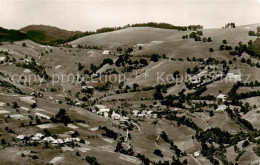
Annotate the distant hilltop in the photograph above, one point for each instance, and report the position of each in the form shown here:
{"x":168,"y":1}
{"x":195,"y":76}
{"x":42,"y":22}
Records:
{"x":47,"y":33}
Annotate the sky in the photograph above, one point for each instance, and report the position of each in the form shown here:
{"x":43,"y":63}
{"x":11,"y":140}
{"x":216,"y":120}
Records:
{"x":85,"y":15}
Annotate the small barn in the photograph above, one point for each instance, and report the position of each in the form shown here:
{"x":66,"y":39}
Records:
{"x":106,"y":52}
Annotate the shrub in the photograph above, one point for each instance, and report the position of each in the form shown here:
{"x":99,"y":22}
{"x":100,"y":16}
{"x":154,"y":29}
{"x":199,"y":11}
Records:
{"x":158,"y":152}
{"x":34,"y":105}
{"x":245,"y":144}
{"x":91,"y":160}
{"x":251,"y":33}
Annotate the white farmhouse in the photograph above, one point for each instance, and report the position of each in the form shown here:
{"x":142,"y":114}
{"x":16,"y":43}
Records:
{"x":197,"y":154}
{"x":58,"y":66}
{"x":141,"y":115}
{"x":103,"y":112}
{"x":106,"y":52}
{"x":221,"y":108}
{"x":58,"y":141}
{"x":39,"y":135}
{"x":20,"y":137}
{"x":144,"y":112}
{"x":222,"y":97}
{"x":98,"y":106}
{"x":36,"y":138}
{"x":234,"y":75}
{"x":68,"y":140}
{"x":115,"y":116}
{"x":87,"y":87}
{"x":135,"y":112}
{"x":2,"y":59}
{"x":48,"y":139}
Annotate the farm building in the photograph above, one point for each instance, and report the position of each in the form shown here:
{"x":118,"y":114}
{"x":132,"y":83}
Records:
{"x":36,"y":138}
{"x":197,"y":154}
{"x":2,"y":59}
{"x":221,"y":108}
{"x":103,"y":112}
{"x":87,"y":87}
{"x":98,"y":106}
{"x":234,"y":75}
{"x":58,"y":66}
{"x":135,"y":112}
{"x":106,"y":52}
{"x":40,"y":135}
{"x":48,"y":139}
{"x":20,"y":137}
{"x":58,"y":141}
{"x":115,"y":116}
{"x":222,"y":97}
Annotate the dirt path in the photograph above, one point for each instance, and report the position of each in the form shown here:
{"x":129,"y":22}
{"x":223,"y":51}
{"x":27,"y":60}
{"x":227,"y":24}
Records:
{"x":194,"y":159}
{"x":138,"y":127}
{"x":161,"y":148}
{"x":63,"y":90}
{"x":202,"y":117}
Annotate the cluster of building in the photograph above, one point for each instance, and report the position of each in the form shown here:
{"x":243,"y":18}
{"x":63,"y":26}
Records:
{"x":234,"y":75}
{"x":103,"y":110}
{"x":222,"y":107}
{"x":42,"y":139}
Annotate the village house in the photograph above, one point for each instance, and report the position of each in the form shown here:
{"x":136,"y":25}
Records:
{"x":48,"y":139}
{"x":135,"y":112}
{"x":141,"y":115}
{"x":126,"y":117}
{"x":58,"y":141}
{"x":36,"y":138}
{"x":106,"y":52}
{"x":98,"y":106}
{"x":68,"y":140}
{"x":78,"y":102}
{"x":196,"y":154}
{"x":222,"y":97}
{"x":115,"y":116}
{"x":221,"y":108}
{"x":20,"y":137}
{"x":176,"y":109}
{"x":103,"y":112}
{"x":2,"y":59}
{"x":234,"y":75}
{"x":58,"y":66}
{"x":39,"y":135}
{"x":87,"y":87}
{"x":144,"y":112}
